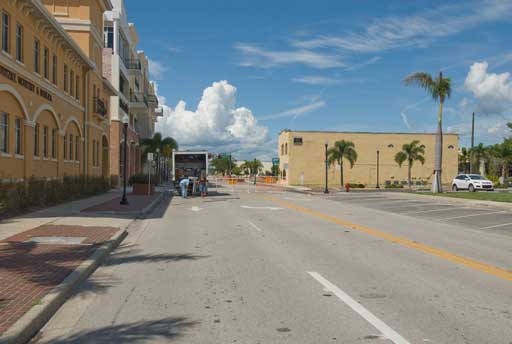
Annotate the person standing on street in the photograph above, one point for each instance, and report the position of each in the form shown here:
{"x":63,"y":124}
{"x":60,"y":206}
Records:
{"x":184,"y":186}
{"x":202,"y":185}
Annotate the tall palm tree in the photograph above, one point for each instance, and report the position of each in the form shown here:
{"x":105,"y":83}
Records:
{"x":410,"y":152}
{"x":164,"y":145}
{"x":440,"y":89}
{"x":342,"y":150}
{"x":503,"y":152}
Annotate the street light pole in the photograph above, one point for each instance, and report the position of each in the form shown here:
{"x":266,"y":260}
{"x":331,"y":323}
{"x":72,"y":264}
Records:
{"x":378,"y":157}
{"x":124,"y":200}
{"x":158,"y":164}
{"x":326,"y":190}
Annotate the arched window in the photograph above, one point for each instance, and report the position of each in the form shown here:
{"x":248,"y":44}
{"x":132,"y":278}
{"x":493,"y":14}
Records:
{"x":391,"y":145}
{"x":286,"y":148}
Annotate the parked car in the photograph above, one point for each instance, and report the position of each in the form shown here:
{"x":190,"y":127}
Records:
{"x":471,"y":182}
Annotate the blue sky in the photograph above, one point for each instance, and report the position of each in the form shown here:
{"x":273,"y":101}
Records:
{"x":247,"y":69}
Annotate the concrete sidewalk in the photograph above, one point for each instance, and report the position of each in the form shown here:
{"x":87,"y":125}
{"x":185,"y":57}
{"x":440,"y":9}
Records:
{"x":47,"y":253}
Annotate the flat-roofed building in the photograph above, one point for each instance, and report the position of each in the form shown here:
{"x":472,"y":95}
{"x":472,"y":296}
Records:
{"x":302,"y":158}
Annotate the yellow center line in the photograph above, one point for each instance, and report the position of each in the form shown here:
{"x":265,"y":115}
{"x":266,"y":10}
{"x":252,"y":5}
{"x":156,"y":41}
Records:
{"x":470,"y":263}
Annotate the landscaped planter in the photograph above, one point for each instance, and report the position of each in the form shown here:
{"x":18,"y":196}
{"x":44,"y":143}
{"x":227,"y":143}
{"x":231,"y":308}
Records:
{"x":142,"y":189}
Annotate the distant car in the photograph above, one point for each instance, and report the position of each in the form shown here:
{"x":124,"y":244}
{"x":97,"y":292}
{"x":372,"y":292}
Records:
{"x":471,"y":182}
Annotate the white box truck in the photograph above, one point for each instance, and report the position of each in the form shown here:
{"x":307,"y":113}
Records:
{"x":191,"y":164}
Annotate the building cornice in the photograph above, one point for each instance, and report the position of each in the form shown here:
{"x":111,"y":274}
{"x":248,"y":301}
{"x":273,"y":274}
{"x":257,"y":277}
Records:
{"x":38,"y":6}
{"x":83,"y":25}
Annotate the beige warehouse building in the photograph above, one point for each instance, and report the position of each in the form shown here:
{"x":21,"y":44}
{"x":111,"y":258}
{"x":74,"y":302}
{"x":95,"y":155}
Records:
{"x":302,"y":157}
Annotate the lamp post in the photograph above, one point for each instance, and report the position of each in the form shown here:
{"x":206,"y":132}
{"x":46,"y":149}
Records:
{"x":158,"y":164}
{"x":125,"y":120}
{"x":326,"y":190}
{"x":378,"y":157}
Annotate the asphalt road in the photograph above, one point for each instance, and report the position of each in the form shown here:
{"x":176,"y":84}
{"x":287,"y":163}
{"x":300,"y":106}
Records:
{"x":292,"y":268}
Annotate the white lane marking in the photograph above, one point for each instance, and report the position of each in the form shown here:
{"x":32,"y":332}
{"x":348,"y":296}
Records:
{"x":196,"y":209}
{"x":496,"y":226}
{"x":387,"y":331}
{"x":434,"y":210}
{"x":255,"y":227}
{"x":471,"y":215}
{"x":267,"y":208}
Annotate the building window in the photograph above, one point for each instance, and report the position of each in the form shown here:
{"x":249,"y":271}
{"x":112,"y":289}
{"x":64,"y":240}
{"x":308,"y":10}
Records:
{"x":71,"y":83}
{"x":36,"y":140}
{"x":286,"y":148}
{"x":46,"y":63}
{"x":77,"y":85}
{"x":5,"y":32}
{"x":451,"y":147}
{"x":45,"y":141}
{"x":54,"y":69}
{"x":4,"y":132}
{"x":71,"y":147}
{"x":109,"y":37}
{"x":65,"y":78}
{"x":391,"y":145}
{"x":19,"y":42}
{"x":282,"y":149}
{"x":297,"y":141}
{"x":18,"y":149}
{"x":65,"y":147}
{"x":77,"y":145}
{"x":54,"y":143}
{"x":37,"y":56}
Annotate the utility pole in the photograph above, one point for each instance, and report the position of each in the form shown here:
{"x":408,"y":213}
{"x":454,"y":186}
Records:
{"x":472,"y":144}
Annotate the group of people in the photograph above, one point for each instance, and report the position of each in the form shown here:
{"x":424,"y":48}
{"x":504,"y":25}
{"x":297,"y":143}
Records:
{"x":185,"y":182}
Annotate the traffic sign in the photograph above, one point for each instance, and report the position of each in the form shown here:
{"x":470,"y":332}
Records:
{"x":150,"y":156}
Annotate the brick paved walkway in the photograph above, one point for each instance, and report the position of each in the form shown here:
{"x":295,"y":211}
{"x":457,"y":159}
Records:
{"x":136,"y":203}
{"x":29,"y":270}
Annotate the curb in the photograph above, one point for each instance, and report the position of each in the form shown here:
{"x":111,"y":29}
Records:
{"x":152,"y":205}
{"x":462,"y":201}
{"x":32,"y":321}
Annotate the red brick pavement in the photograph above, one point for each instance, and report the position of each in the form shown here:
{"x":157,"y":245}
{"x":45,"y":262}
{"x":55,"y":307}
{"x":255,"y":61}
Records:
{"x":29,"y":271}
{"x":135,"y":203}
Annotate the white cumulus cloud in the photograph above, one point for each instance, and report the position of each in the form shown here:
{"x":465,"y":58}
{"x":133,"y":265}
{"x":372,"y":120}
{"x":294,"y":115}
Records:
{"x":493,"y":91}
{"x":156,"y":69}
{"x":216,"y":124}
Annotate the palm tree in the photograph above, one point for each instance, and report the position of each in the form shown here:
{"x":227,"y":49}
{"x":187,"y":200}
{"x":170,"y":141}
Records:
{"x":478,"y":154}
{"x":440,"y":89}
{"x":503,"y":153}
{"x":164,"y":145}
{"x":410,"y":152}
{"x":463,"y":160}
{"x":342,"y":150}
{"x":251,"y":166}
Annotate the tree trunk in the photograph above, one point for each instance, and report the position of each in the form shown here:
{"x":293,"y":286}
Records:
{"x":409,"y":175}
{"x":341,"y":174}
{"x":436,"y":180}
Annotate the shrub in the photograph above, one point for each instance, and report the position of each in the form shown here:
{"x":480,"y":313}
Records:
{"x":357,"y":186}
{"x":394,"y":186}
{"x":40,"y":192}
{"x":494,"y":179}
{"x":142,"y":179}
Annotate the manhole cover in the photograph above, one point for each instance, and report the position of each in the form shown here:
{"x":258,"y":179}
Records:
{"x":57,"y":240}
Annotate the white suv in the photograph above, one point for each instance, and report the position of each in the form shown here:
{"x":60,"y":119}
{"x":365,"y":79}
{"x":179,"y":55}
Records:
{"x":471,"y":182}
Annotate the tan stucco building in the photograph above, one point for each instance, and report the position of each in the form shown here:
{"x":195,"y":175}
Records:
{"x":60,"y":103}
{"x":49,"y":126}
{"x":302,"y":157}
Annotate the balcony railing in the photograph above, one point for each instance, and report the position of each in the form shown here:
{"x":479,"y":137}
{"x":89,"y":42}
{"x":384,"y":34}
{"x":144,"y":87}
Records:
{"x":99,"y":107}
{"x":153,"y":100}
{"x":159,"y":112}
{"x":138,"y":97}
{"x":124,"y":106}
{"x":132,"y":64}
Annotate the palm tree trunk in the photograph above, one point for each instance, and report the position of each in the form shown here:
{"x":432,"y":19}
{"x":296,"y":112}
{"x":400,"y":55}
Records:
{"x":341,"y":174}
{"x":409,"y":175}
{"x":438,"y":162}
